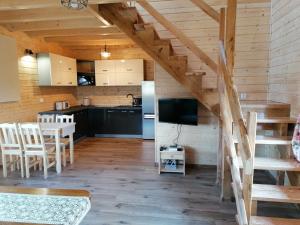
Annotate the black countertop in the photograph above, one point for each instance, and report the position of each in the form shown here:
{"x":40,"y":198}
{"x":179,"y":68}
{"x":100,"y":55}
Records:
{"x":74,"y":109}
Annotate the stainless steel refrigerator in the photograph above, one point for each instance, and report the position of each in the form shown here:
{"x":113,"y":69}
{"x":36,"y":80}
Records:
{"x":148,"y":104}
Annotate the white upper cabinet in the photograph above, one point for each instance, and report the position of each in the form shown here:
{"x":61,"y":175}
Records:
{"x":105,"y":73}
{"x":56,"y":70}
{"x":119,"y":72}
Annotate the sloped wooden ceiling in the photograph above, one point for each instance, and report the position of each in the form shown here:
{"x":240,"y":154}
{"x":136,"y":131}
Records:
{"x":252,"y":45}
{"x":70,"y":28}
{"x":83,"y":30}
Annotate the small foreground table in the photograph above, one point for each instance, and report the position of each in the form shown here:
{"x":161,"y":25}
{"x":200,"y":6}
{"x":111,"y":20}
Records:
{"x":57,"y":130}
{"x":43,"y":206}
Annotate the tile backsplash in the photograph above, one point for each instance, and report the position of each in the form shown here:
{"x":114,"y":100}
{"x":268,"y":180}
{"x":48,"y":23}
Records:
{"x":108,"y":96}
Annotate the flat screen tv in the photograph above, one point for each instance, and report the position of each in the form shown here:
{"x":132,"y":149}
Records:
{"x":178,"y":111}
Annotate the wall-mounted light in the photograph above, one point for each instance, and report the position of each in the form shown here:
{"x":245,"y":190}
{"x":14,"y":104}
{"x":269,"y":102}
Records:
{"x":28,"y":52}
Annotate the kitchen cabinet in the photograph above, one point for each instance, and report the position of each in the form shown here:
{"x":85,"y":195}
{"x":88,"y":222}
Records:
{"x":105,"y":121}
{"x":82,"y":123}
{"x":105,"y":73}
{"x":56,"y":70}
{"x":123,"y":121}
{"x":134,"y":122}
{"x":119,"y":72}
{"x":97,"y":121}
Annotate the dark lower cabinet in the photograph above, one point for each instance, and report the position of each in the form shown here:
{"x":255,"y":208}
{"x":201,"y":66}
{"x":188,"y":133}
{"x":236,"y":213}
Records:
{"x":82,"y":123}
{"x":134,"y":122}
{"x":121,"y":122}
{"x":97,"y":118}
{"x":107,"y":121}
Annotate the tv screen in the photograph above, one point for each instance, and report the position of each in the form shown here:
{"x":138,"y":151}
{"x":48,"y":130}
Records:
{"x":178,"y":111}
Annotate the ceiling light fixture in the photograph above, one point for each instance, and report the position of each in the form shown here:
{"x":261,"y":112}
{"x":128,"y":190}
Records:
{"x":105,"y":54}
{"x":75,"y":4}
{"x":28,"y":52}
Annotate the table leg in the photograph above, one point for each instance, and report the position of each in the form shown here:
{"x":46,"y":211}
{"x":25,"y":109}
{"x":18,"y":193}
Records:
{"x":71,"y":148}
{"x":58,"y":153}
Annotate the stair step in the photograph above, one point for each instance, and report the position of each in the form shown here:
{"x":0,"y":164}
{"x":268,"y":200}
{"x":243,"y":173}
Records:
{"x":200,"y":73}
{"x":258,"y":220}
{"x":277,"y":120}
{"x":265,"y":140}
{"x":160,"y":42}
{"x":148,"y":34}
{"x":276,"y":193}
{"x":261,"y":163}
{"x":179,"y":63}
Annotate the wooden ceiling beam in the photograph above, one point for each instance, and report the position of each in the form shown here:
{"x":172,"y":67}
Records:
{"x":108,"y":42}
{"x":210,"y":11}
{"x":34,"y":4}
{"x":74,"y":32}
{"x":94,"y":10}
{"x":85,"y":38}
{"x":97,"y":47}
{"x":28,"y":15}
{"x":179,"y":35}
{"x":55,"y":24}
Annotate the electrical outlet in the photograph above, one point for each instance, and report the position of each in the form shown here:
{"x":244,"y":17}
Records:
{"x":41,"y":100}
{"x":243,"y":96}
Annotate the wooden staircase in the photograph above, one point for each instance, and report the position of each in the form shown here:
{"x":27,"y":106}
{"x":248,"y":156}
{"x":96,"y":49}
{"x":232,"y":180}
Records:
{"x":246,"y":193}
{"x":161,"y":50}
{"x":285,"y":164}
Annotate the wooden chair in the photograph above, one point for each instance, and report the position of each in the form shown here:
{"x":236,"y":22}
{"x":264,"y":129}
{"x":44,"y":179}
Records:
{"x":11,"y":145}
{"x":50,"y":118}
{"x":46,"y":118}
{"x":35,"y":147}
{"x":64,"y":140}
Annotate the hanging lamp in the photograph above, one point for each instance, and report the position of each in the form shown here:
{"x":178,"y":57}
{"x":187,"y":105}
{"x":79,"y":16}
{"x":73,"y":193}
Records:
{"x":105,"y":54}
{"x":75,"y":4}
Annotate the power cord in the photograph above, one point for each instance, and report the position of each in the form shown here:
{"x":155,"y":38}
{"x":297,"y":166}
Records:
{"x":179,"y":128}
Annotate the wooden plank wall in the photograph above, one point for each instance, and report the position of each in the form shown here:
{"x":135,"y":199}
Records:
{"x":252,"y":48}
{"x":201,"y":142}
{"x":284,"y":79}
{"x":31,"y":94}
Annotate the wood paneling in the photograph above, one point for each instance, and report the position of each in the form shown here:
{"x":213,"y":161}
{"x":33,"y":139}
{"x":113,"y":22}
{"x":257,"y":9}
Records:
{"x":34,"y":99}
{"x":284,"y":79}
{"x":201,"y":142}
{"x":252,"y":40}
{"x":26,"y":15}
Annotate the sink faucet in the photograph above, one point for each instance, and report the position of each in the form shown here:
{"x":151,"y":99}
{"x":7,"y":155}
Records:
{"x":131,"y":97}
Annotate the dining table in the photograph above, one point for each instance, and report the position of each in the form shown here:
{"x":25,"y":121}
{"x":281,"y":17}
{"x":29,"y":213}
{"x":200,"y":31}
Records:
{"x":58,"y":130}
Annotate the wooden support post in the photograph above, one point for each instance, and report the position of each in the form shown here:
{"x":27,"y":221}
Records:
{"x":224,"y":177}
{"x":248,"y":178}
{"x":230,"y":33}
{"x":284,"y":151}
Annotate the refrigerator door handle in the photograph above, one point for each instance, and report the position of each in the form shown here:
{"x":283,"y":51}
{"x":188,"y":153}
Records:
{"x":149,"y":116}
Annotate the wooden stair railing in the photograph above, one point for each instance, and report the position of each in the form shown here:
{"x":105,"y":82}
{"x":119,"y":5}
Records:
{"x":161,"y":50}
{"x":246,"y":193}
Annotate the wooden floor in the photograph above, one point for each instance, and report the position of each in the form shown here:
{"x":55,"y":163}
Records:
{"x":126,"y":188}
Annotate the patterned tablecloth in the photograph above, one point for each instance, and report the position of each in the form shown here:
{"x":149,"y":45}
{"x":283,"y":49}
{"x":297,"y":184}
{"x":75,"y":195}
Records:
{"x":43,"y":209}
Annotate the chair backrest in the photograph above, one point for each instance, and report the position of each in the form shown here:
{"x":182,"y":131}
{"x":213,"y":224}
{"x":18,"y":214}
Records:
{"x":9,"y":137}
{"x":46,"y":118}
{"x":65,"y":118}
{"x":32,"y":136}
